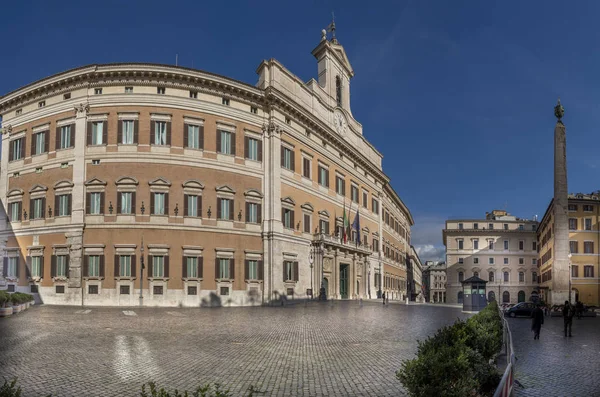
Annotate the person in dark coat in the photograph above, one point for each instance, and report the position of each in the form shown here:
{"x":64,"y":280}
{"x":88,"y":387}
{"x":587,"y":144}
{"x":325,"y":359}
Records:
{"x":537,"y":320}
{"x":579,"y":307}
{"x":568,"y":314}
{"x":383,"y":297}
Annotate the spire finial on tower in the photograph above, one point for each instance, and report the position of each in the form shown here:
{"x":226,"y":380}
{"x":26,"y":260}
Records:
{"x":331,"y":28}
{"x":559,"y":111}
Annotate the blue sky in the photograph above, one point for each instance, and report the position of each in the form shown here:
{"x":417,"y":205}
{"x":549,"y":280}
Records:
{"x":458,"y":96}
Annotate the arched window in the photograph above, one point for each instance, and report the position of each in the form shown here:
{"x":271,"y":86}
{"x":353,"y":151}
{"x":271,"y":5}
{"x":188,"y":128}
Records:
{"x":491,"y":277}
{"x":476,"y":274}
{"x":521,"y":296}
{"x":338,"y":90}
{"x":506,"y":277}
{"x":521,"y":277}
{"x":460,"y":297}
{"x":505,"y":297}
{"x":491,"y":296}
{"x":461,"y":277}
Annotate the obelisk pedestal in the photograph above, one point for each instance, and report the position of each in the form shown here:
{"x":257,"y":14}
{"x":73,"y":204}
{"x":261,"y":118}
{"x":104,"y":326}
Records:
{"x":560,"y":265}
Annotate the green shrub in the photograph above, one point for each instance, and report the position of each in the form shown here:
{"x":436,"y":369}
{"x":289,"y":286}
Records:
{"x":455,"y":361}
{"x":4,"y":298}
{"x":15,"y":298}
{"x":10,"y":389}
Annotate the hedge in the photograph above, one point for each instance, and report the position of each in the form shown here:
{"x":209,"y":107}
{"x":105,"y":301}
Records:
{"x":455,"y":362}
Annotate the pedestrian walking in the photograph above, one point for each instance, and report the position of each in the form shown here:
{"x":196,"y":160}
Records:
{"x":579,"y":307}
{"x":537,"y":320}
{"x":568,"y":314}
{"x":383,"y":297}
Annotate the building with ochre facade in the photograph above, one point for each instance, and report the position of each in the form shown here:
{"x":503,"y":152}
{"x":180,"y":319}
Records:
{"x":128,"y":184}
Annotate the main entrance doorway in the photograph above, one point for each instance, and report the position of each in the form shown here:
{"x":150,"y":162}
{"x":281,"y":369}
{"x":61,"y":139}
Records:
{"x":344,"y":281}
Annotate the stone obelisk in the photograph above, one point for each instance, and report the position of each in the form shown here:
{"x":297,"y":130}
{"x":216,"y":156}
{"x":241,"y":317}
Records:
{"x":560,"y":265}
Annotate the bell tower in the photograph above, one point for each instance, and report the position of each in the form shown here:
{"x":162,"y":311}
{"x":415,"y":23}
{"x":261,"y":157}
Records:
{"x":334,"y":69}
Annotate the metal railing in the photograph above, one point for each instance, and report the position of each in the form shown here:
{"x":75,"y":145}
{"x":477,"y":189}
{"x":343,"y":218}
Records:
{"x":505,"y":387}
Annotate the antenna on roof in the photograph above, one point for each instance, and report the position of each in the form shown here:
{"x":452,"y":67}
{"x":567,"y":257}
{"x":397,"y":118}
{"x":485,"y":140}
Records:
{"x":176,"y":56}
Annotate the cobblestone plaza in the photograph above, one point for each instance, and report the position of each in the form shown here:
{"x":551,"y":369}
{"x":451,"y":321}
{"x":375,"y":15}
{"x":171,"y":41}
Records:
{"x":334,"y":349}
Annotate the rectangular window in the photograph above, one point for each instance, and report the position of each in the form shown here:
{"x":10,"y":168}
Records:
{"x":323,"y":226}
{"x":491,"y":226}
{"x":224,"y":291}
{"x":572,"y":207}
{"x":158,"y":266}
{"x":323,"y":177}
{"x":160,"y":133}
{"x":572,"y":223}
{"x":588,"y":271}
{"x":521,"y":261}
{"x":574,"y":271}
{"x":288,"y":218}
{"x":40,"y":143}
{"x":574,"y":247}
{"x":340,"y":186}
{"x":534,"y":261}
{"x":194,"y":94}
{"x":128,"y":132}
{"x":588,"y":223}
{"x":160,"y":90}
{"x":94,"y":266}
{"x":460,"y":226}
{"x":225,"y":147}
{"x":124,"y":289}
{"x":521,"y":245}
{"x":15,"y":212}
{"x":491,"y":261}
{"x":253,"y":109}
{"x":65,"y":137}
{"x":224,"y":268}
{"x":92,"y":289}
{"x":375,"y":206}
{"x":60,"y":289}
{"x":157,"y":290}
{"x":63,"y":205}
{"x":192,"y":290}
{"x":129,"y":90}
{"x":18,"y":112}
{"x":97,"y":91}
{"x":588,"y":247}
{"x":252,"y":212}
{"x":354,"y":193}
{"x":491,"y":244}
{"x":17,"y":147}
{"x":126,"y":202}
{"x":286,"y":158}
{"x":475,"y":261}
{"x":159,"y":203}
{"x":306,"y":223}
{"x":476,"y":244}
{"x":289,"y":270}
{"x":505,"y":244}
{"x":306,"y":167}
{"x":460,"y":244}
{"x":97,"y":132}
{"x":534,"y":245}
{"x":191,"y":263}
{"x":460,"y":260}
{"x":506,"y":261}
{"x":476,"y":226}
{"x":38,"y":209}
{"x":225,"y":101}
{"x":225,"y":214}
{"x":12,"y":266}
{"x":588,"y":208}
{"x":193,"y":136}
{"x":253,"y":149}
{"x":365,"y":199}
{"x":521,"y":227}
{"x":252,"y":270}
{"x":192,"y":205}
{"x":95,"y":200}
{"x":125,"y":265}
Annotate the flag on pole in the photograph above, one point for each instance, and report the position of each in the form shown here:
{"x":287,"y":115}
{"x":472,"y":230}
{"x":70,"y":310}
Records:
{"x":356,"y":226}
{"x":345,"y":223}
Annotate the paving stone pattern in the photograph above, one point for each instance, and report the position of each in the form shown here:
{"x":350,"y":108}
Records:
{"x":555,"y":366}
{"x":332,"y":349}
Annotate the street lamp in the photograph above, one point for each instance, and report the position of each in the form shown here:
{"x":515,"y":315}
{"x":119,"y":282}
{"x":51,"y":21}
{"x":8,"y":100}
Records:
{"x":322,"y":292}
{"x":142,"y":272}
{"x":311,"y":259}
{"x":570,"y":255}
{"x":380,"y":278}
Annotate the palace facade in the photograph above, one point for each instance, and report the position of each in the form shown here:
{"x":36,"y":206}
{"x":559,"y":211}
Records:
{"x":584,"y":240}
{"x":500,"y":249}
{"x":129,"y":184}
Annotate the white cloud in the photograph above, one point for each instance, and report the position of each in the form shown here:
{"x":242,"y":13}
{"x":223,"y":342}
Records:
{"x":430,"y":252}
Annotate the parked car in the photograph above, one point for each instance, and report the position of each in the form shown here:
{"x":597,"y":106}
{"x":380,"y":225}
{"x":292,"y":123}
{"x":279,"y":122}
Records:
{"x":520,"y":309}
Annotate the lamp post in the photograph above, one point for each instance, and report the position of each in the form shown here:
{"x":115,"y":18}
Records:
{"x":380,"y":278}
{"x":322,"y":292}
{"x":311,"y":259}
{"x":570,"y":277}
{"x":142,"y":272}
